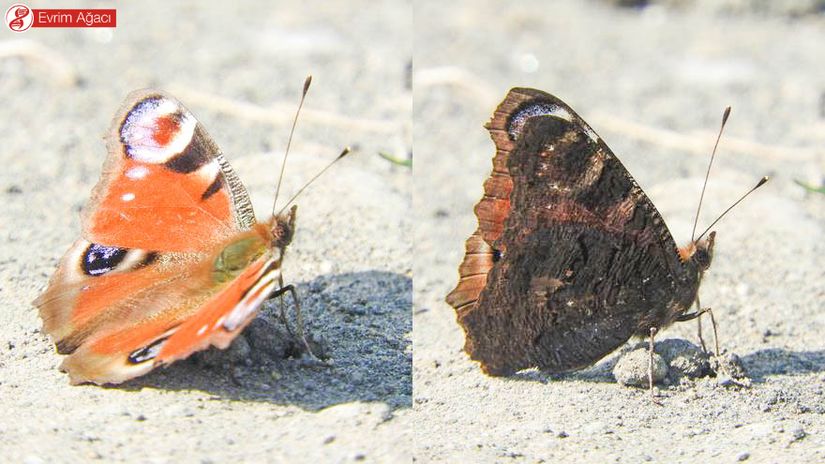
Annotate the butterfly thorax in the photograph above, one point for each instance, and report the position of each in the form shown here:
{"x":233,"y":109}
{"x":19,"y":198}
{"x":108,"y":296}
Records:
{"x":242,"y":251}
{"x":695,"y":258}
{"x":237,"y":256}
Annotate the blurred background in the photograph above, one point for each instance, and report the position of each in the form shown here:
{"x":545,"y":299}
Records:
{"x":652,"y":78}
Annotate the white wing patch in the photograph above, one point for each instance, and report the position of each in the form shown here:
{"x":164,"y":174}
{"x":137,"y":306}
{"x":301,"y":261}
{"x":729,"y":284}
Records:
{"x":545,"y":109}
{"x":156,"y":129}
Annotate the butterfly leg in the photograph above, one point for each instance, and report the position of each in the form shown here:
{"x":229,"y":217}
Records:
{"x":715,"y":333}
{"x":299,"y":319}
{"x":697,"y":315}
{"x":282,"y":308}
{"x":653,"y":331}
{"x":699,"y":325}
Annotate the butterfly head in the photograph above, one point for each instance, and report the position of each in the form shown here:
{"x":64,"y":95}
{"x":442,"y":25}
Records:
{"x":704,"y":252}
{"x":282,"y":227}
{"x":699,"y":252}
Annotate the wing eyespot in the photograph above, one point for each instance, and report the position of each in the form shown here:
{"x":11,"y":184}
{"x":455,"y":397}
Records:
{"x":148,"y":352}
{"x":97,"y":260}
{"x":532,"y":109}
{"x":156,"y":130}
{"x":100,"y":259}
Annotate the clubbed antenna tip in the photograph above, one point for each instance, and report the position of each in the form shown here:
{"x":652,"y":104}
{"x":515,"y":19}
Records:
{"x":308,"y":81}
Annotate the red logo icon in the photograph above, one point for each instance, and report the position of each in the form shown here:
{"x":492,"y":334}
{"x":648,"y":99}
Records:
{"x":19,"y":17}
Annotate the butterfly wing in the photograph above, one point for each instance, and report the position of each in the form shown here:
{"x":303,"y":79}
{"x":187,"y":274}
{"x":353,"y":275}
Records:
{"x":166,"y":204}
{"x":177,"y":316}
{"x":165,"y":184}
{"x":571,"y":258}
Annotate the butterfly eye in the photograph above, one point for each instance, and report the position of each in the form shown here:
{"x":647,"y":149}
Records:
{"x":497,"y":255}
{"x":702,"y":258}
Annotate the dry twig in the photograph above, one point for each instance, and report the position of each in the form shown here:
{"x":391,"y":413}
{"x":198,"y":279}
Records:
{"x":59,"y":69}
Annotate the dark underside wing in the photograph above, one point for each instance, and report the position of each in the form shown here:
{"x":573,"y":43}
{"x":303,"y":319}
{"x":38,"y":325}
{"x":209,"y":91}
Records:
{"x":571,"y":258}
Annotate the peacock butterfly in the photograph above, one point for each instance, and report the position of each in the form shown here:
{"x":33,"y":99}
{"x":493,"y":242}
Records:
{"x":171,"y":258}
{"x":570,"y":258}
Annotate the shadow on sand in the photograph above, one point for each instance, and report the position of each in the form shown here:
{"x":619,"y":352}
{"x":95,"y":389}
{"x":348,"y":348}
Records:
{"x":361,"y":322}
{"x":759,"y":365}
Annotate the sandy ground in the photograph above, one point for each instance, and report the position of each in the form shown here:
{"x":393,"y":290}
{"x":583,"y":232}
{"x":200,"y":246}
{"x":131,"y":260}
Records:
{"x":239,"y":67}
{"x":653,"y":83}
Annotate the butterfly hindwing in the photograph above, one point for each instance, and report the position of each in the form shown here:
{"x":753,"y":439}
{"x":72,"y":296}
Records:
{"x":88,"y":280}
{"x":191,"y":314}
{"x":576,"y":249}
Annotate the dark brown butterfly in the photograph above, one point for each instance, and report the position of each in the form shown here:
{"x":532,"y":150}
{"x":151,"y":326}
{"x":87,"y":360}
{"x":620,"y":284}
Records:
{"x":570,"y":258}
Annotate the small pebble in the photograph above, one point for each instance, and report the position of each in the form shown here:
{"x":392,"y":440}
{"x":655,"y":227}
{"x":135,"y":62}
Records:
{"x":356,"y":378}
{"x":632,"y":368}
{"x":729,"y":371}
{"x":684,"y":358}
{"x":743,"y":456}
{"x":325,"y":267}
{"x":798,"y":433}
{"x":742,"y":289}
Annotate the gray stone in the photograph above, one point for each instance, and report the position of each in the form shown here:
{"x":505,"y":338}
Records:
{"x":632,"y":368}
{"x":684,"y":358}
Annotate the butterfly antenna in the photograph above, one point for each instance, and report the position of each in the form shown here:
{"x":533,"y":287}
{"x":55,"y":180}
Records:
{"x":307,"y":82}
{"x":344,"y":153}
{"x":707,"y":174}
{"x":758,"y":184}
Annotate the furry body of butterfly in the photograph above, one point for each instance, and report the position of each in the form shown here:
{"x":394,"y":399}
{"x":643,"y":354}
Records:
{"x":171,"y":259}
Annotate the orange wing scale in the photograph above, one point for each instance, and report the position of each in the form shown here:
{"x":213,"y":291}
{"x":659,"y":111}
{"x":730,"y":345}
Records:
{"x":160,"y":211}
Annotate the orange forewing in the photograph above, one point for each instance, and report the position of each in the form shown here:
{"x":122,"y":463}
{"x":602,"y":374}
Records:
{"x":162,"y":210}
{"x":165,"y":185}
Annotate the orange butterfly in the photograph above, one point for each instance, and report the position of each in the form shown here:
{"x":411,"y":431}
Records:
{"x":171,"y":258}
